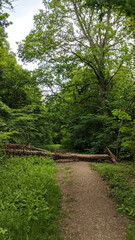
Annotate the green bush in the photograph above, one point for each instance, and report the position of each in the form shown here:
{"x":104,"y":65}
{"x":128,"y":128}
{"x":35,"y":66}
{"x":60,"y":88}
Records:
{"x":30,"y":199}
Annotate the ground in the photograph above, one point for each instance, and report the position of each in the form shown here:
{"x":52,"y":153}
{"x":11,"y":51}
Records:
{"x":90,"y":214}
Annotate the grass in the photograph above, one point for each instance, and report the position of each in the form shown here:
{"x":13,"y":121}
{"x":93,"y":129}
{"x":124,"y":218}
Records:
{"x":121,"y":188}
{"x":29,"y":199}
{"x":131,"y":233}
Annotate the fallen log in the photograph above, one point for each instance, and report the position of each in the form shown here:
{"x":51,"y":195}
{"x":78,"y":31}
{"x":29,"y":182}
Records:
{"x":13,"y":146}
{"x":81,"y":157}
{"x":21,"y":152}
{"x":21,"y":147}
{"x":57,"y":155}
{"x":112,"y":156}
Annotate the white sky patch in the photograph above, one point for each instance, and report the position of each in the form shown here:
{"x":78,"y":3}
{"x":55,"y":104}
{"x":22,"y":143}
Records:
{"x":22,"y":18}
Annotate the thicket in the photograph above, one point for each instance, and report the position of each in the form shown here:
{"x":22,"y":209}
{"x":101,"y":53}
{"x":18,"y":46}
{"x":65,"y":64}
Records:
{"x":23,"y":117}
{"x":29,"y":199}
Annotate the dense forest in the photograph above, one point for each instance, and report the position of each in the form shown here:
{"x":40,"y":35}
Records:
{"x":80,"y":98}
{"x":82,"y":95}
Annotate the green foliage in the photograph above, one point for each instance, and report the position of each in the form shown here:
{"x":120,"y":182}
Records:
{"x":23,"y":116}
{"x":31,"y":125}
{"x":131,"y":233}
{"x":127,"y":130}
{"x":5,"y":112}
{"x":127,"y":6}
{"x":4,"y":109}
{"x":121,"y":114}
{"x":93,"y":45}
{"x":53,"y":147}
{"x":83,"y":134}
{"x":30,"y":199}
{"x":4,"y":4}
{"x":128,"y":140}
{"x":88,"y":68}
{"x":15,"y":82}
{"x":79,"y":128}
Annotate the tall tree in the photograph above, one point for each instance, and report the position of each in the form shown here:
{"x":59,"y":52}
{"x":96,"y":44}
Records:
{"x":67,"y":34}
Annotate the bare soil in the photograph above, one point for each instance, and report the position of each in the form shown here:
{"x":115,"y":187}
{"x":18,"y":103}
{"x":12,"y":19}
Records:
{"x":90,"y":214}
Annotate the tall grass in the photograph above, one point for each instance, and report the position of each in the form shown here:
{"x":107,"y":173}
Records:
{"x":29,"y":199}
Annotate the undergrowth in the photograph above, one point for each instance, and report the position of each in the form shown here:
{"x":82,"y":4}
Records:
{"x":29,"y":199}
{"x":121,"y":188}
{"x":52,"y":147}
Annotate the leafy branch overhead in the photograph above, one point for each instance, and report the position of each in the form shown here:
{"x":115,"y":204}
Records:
{"x":82,"y":93}
{"x":126,"y":6}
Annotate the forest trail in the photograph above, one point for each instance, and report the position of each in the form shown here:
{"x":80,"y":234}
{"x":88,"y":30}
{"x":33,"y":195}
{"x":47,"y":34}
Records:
{"x":90,"y":214}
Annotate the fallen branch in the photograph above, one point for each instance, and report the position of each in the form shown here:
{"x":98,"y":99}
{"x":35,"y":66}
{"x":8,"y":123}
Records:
{"x":112,"y":156}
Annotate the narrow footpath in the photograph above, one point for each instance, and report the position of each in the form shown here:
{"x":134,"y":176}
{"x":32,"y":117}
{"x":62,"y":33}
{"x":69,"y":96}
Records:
{"x":90,"y":214}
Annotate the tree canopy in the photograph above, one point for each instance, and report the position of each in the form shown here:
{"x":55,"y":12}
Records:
{"x":126,"y":6}
{"x":22,"y":113}
{"x":85,"y":54}
{"x":67,"y":35}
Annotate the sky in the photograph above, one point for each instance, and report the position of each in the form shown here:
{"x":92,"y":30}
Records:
{"x":22,"y":18}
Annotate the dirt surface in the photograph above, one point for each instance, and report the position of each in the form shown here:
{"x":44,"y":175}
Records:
{"x":90,"y":214}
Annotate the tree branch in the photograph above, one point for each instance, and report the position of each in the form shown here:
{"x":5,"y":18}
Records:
{"x":75,"y":104}
{"x":116,"y":71}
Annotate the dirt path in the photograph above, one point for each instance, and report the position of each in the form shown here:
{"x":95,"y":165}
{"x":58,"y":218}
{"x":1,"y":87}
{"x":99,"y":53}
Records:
{"x":92,"y":213}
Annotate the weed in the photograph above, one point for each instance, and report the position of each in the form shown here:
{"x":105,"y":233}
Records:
{"x":131,"y":233}
{"x":29,"y":199}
